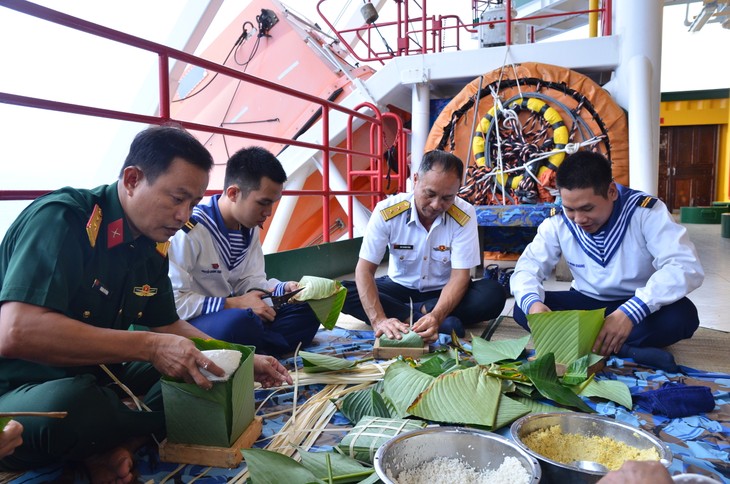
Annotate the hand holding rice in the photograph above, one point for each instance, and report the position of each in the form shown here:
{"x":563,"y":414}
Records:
{"x":227,"y":360}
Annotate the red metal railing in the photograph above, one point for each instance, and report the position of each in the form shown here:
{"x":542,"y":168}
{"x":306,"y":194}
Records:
{"x":164,"y":54}
{"x":430,"y":29}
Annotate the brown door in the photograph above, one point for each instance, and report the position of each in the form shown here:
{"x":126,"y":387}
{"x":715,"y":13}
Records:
{"x":687,"y":159}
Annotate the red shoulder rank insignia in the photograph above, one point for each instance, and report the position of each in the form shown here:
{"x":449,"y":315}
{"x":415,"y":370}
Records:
{"x":145,"y":291}
{"x":93,"y":225}
{"x":162,"y":248}
{"x":114,"y":233}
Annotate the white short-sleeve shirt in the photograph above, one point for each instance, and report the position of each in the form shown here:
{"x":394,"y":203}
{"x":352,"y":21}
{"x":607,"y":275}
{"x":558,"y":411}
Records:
{"x":421,"y":259}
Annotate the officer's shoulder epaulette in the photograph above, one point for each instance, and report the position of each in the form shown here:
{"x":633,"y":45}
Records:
{"x":394,"y":210}
{"x":93,"y":225}
{"x":646,"y":201}
{"x":458,"y":214}
{"x":189,"y":225}
{"x":162,"y":248}
{"x":555,"y":211}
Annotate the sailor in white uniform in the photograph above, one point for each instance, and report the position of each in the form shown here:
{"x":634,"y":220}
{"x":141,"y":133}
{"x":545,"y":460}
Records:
{"x":626,"y":254}
{"x":217,"y":265}
{"x":432,"y":239}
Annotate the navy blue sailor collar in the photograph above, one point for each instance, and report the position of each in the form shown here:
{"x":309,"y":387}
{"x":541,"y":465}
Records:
{"x":604,"y":243}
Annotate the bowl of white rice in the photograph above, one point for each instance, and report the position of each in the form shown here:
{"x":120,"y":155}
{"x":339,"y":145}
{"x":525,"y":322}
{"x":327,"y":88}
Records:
{"x":446,"y":455}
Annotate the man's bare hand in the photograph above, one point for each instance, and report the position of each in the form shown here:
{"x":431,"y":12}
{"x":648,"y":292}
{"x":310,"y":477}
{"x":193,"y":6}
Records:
{"x":391,"y":327}
{"x":253,"y":301}
{"x":291,"y":286}
{"x":427,"y":328}
{"x":539,"y":307}
{"x":177,"y":357}
{"x":269,"y":372}
{"x":10,"y":438}
{"x":616,"y":328}
{"x":638,"y":472}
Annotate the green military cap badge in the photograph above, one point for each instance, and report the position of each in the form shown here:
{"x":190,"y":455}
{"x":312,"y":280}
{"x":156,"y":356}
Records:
{"x":93,"y":225}
{"x":458,"y":214}
{"x":395,"y":210}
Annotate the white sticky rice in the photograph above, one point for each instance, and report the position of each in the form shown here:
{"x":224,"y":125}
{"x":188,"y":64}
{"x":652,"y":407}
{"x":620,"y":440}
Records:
{"x":443,"y":470}
{"x":228,"y":360}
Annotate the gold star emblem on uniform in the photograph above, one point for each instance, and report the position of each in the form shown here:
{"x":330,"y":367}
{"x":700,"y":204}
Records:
{"x":145,"y":291}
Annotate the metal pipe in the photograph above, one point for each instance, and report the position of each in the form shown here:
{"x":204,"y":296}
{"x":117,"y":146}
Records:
{"x":420,"y":97}
{"x":593,"y":19}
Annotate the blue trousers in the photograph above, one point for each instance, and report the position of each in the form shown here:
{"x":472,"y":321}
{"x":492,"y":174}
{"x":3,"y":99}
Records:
{"x":294,"y":324}
{"x":483,"y":300}
{"x":664,"y":327}
{"x":97,"y":419}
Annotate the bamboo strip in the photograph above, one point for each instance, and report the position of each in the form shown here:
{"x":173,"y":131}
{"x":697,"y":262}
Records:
{"x":34,"y":414}
{"x":317,"y":411}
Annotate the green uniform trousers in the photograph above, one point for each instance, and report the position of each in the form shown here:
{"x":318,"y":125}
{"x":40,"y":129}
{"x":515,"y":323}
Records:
{"x":97,"y":418}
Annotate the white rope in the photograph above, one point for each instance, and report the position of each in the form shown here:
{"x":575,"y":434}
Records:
{"x":570,"y":148}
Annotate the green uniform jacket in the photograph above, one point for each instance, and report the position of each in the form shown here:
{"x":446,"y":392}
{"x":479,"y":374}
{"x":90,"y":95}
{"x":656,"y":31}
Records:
{"x":72,"y":251}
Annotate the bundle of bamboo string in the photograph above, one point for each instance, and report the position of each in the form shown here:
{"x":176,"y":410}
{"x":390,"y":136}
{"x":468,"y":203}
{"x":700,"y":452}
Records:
{"x":308,"y":422}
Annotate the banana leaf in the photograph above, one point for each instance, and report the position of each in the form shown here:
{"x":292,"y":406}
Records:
{"x":326,"y":297}
{"x":317,"y":363}
{"x":577,"y":372}
{"x":488,"y":352}
{"x":539,"y":407}
{"x":410,"y":339}
{"x":402,"y":384}
{"x":541,"y":372}
{"x":3,"y":422}
{"x":343,"y":468}
{"x":266,"y":467}
{"x":613,"y":390}
{"x":356,"y":405}
{"x":462,"y":397}
{"x":215,"y":417}
{"x":525,"y":390}
{"x":432,"y":366}
{"x":508,"y":411}
{"x":568,"y":335}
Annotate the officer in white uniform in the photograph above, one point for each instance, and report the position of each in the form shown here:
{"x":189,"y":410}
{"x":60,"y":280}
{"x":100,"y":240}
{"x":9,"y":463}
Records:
{"x":433,"y":243}
{"x":626,"y":254}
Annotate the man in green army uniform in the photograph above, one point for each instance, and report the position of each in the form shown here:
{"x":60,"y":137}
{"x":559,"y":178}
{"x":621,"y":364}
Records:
{"x":77,"y":268}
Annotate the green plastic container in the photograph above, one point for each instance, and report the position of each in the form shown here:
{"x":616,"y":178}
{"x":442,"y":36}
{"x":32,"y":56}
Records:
{"x":725,"y":225}
{"x":701,"y":215}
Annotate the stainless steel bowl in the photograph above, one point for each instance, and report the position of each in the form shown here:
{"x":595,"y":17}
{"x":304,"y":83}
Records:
{"x":584,"y":424}
{"x":479,"y":449}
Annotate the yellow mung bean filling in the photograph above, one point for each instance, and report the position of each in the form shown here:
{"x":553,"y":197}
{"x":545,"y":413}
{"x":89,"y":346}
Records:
{"x":552,"y":443}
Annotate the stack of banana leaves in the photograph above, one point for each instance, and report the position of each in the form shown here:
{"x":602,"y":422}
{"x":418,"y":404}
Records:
{"x":486,"y":385}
